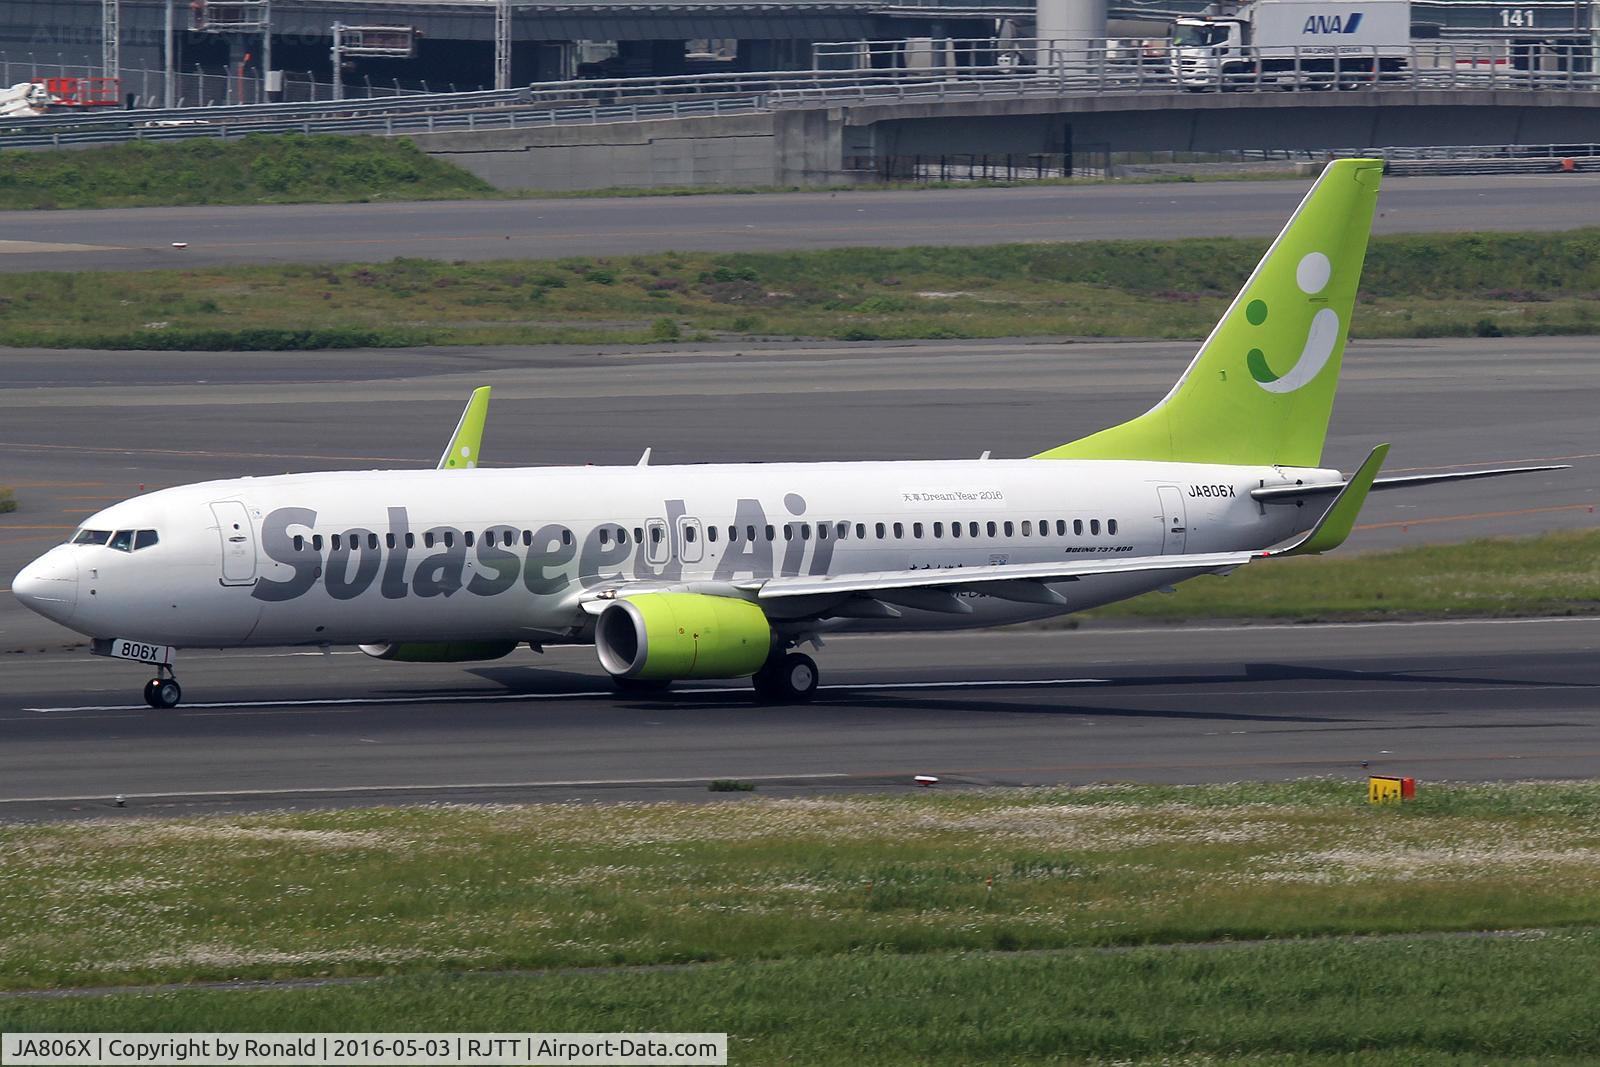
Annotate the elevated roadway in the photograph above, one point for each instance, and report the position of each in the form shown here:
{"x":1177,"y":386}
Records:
{"x":136,"y":239}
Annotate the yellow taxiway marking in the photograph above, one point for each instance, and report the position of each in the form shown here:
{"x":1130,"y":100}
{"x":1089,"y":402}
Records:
{"x":1475,"y":515}
{"x":31,"y":447}
{"x":1500,"y":462}
{"x":15,"y":248}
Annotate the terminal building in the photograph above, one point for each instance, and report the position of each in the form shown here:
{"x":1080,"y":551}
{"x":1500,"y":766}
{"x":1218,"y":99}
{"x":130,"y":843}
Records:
{"x":443,"y":45}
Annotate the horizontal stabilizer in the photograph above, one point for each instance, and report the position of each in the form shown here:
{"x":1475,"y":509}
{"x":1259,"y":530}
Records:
{"x":1336,"y":523}
{"x":1288,"y":494}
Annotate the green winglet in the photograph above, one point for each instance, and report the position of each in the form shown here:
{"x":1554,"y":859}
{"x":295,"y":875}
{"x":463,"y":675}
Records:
{"x":467,"y":441}
{"x":1340,"y":518}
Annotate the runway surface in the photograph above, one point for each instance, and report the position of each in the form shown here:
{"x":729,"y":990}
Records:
{"x":478,"y":230}
{"x":1460,"y":701}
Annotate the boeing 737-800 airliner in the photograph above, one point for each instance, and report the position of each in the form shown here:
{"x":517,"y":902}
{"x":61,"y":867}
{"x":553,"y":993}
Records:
{"x":719,"y":571}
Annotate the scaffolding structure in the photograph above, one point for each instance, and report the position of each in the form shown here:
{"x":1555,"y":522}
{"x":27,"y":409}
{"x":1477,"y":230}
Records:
{"x":245,"y":17}
{"x":395,"y":42}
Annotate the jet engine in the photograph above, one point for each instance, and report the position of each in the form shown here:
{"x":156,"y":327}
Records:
{"x":665,"y":636}
{"x":440,"y":651}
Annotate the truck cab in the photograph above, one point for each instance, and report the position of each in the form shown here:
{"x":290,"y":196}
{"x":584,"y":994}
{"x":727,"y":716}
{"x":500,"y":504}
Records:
{"x":1202,"y":48}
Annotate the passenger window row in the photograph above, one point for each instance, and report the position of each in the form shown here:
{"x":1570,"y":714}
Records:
{"x":969,"y":529}
{"x":896,"y":531}
{"x":432,"y":538}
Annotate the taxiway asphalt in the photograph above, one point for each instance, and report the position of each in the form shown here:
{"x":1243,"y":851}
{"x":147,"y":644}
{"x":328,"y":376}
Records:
{"x":1467,"y":700}
{"x":145,"y":238}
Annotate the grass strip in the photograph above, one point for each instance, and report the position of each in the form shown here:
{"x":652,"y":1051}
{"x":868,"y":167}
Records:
{"x":1414,"y":286}
{"x":1545,"y":575}
{"x":387,"y":891}
{"x":328,"y":169}
{"x":258,"y":169}
{"x":1419,"y":1002}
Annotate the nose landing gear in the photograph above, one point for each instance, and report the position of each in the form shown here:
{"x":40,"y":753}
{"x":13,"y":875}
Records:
{"x":163,"y":691}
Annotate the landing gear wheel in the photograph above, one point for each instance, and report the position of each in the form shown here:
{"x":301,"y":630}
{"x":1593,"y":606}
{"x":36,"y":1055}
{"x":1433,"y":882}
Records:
{"x":787,"y":679}
{"x":162,"y":692}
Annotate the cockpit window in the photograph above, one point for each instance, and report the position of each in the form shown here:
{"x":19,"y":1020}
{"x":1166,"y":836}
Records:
{"x":144,"y":539}
{"x":122,"y":541}
{"x":92,"y":537}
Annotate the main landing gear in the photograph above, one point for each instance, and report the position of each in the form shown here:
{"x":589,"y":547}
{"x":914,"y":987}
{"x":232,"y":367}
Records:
{"x":163,"y":691}
{"x":786,"y":678}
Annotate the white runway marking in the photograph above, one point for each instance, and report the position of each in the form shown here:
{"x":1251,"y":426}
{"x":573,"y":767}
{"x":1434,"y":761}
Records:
{"x":423,"y":787}
{"x":482,"y":698}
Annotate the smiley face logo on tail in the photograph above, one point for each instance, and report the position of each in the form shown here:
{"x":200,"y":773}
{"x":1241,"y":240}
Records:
{"x":1311,"y":275}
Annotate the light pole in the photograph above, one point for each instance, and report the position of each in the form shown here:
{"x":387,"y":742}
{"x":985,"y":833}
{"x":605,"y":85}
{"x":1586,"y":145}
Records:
{"x":170,"y":91}
{"x":502,"y":44}
{"x":338,"y":61}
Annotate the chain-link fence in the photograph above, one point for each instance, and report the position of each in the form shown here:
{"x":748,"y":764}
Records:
{"x":198,"y":86}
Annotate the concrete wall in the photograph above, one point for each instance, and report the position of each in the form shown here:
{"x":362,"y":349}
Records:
{"x":1217,"y":122}
{"x":737,"y":150}
{"x":812,"y":147}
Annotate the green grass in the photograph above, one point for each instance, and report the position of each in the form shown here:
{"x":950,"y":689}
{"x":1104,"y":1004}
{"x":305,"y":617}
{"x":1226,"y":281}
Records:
{"x":1415,"y":286}
{"x":421,"y":890}
{"x":324,"y":168}
{"x":259,"y":169}
{"x":8,"y":500}
{"x":1549,"y":574}
{"x":1412,"y":1002}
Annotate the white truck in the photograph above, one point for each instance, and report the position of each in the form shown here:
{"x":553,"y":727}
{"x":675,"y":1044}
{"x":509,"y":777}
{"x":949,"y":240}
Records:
{"x":1293,"y":43}
{"x":25,"y":99}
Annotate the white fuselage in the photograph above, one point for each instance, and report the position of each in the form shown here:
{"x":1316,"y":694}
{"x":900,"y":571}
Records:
{"x":506,"y":554}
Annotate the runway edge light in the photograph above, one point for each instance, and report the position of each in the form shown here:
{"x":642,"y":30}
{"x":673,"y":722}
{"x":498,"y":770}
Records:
{"x":1389,"y":789}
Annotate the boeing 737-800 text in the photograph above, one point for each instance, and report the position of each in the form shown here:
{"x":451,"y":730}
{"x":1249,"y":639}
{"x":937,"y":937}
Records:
{"x":719,"y":571}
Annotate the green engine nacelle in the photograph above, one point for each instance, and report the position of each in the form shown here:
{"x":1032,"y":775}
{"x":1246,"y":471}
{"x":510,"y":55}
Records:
{"x":440,"y":651}
{"x":665,"y":636}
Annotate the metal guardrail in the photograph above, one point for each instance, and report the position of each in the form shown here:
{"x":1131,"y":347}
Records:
{"x":1474,"y":152}
{"x":1067,"y":72}
{"x":1446,"y":160}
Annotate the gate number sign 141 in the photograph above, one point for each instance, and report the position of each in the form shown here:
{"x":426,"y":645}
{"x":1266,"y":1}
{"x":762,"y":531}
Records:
{"x":1520,"y":17}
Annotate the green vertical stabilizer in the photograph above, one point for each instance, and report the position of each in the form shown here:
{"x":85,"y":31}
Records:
{"x":1260,"y":390}
{"x":467,"y":441}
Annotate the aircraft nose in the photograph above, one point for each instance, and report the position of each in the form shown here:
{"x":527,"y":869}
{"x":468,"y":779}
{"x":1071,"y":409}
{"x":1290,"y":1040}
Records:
{"x":49,"y":585}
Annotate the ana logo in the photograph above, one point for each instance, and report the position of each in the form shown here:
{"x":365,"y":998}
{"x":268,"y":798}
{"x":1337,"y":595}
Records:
{"x":1322,"y":25}
{"x":1311,"y":275}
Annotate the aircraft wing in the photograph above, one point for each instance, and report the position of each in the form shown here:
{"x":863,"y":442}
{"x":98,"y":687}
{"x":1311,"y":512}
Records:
{"x":1027,"y":581}
{"x":1278,"y":494}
